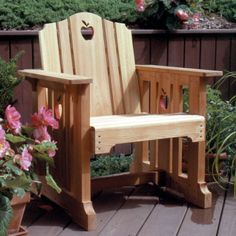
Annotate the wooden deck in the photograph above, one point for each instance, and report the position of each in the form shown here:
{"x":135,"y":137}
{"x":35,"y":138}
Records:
{"x":142,"y":211}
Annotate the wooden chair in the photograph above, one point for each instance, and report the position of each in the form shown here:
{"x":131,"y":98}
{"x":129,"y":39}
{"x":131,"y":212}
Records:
{"x":109,"y":100}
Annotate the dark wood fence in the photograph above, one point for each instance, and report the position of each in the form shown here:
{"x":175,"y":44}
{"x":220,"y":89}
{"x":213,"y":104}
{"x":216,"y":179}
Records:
{"x":208,"y":49}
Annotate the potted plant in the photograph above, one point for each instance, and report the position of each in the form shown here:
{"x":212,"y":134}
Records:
{"x":21,"y":148}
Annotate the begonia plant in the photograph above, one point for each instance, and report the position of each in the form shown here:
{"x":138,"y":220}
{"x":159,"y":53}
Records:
{"x":21,"y":148}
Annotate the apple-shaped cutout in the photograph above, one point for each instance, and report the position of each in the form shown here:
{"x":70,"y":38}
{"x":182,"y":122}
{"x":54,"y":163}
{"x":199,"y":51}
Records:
{"x":87,"y":31}
{"x":164,"y":102}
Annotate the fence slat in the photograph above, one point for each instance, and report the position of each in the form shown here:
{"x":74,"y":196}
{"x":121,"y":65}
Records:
{"x":223,"y":60}
{"x":176,"y":51}
{"x":159,"y":50}
{"x":36,"y":54}
{"x":207,"y":53}
{"x":23,"y":92}
{"x":232,"y":91}
{"x":142,"y":49}
{"x":192,"y":52}
{"x":4,"y":49}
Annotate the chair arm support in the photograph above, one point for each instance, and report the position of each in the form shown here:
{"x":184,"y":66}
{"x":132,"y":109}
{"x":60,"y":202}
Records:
{"x":62,"y":78}
{"x":178,"y":70}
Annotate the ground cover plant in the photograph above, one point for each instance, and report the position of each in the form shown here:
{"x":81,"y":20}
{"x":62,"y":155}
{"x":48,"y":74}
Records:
{"x":108,"y":165}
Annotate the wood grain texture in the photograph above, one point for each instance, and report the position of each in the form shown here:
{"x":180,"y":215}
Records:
{"x":143,"y":128}
{"x":204,"y":222}
{"x":4,"y":49}
{"x":159,"y":50}
{"x":132,"y":214}
{"x":90,"y":60}
{"x":192,"y":60}
{"x":130,"y":84}
{"x":53,"y":223}
{"x":23,"y":91}
{"x":176,"y":51}
{"x":143,"y":49}
{"x":165,"y":219}
{"x":114,"y":68}
{"x":228,"y":221}
{"x":106,"y":205}
{"x":49,"y":48}
{"x":178,"y":70}
{"x":208,"y":47}
{"x":55,"y":77}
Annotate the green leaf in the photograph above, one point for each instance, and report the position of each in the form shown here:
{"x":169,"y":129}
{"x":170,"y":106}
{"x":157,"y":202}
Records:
{"x":51,"y":182}
{"x":27,"y":130}
{"x":15,"y":139}
{"x":44,"y":157}
{"x":13,"y":168}
{"x":5,"y":214}
{"x":21,"y":181}
{"x":45,"y":146}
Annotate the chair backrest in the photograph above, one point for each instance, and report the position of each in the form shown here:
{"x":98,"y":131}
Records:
{"x":106,"y":55}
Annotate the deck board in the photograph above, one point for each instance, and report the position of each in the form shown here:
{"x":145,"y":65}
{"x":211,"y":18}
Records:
{"x":228,"y":221}
{"x":203,"y":222}
{"x":33,"y":212}
{"x":50,"y":224}
{"x":105,"y":206}
{"x":141,"y":211}
{"x":133,"y":213}
{"x":166,"y":218}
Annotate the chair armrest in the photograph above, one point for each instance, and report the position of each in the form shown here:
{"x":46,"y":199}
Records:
{"x":179,"y":70}
{"x":54,"y":76}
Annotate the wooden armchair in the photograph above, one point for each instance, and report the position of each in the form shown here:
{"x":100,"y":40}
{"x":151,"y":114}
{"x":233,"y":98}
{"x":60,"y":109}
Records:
{"x":108,"y":100}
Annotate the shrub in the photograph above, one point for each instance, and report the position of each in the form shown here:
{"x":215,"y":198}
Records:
{"x":8,"y":81}
{"x":21,"y":14}
{"x":226,"y":8}
{"x":108,"y":165}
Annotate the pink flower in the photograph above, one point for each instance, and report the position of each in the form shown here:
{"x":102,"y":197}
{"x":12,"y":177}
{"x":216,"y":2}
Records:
{"x":2,"y":133}
{"x":4,"y":146}
{"x":41,"y":133}
{"x":140,"y":5}
{"x":25,"y":159}
{"x":13,"y":118}
{"x":182,"y":15}
{"x":44,"y":118}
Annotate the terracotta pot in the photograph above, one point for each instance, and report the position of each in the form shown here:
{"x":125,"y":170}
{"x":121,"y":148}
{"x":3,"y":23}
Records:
{"x":18,"y":205}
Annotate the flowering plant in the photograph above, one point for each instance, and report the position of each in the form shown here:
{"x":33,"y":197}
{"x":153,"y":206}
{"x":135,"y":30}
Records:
{"x":173,"y":13}
{"x":21,"y":147}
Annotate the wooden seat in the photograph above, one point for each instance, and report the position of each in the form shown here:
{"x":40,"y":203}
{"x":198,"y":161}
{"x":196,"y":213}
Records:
{"x":117,"y":129}
{"x":89,"y":68}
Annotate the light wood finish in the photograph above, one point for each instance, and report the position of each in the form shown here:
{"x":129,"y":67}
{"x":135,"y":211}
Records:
{"x":136,"y":128}
{"x":178,"y":70}
{"x":55,"y":77}
{"x":108,"y":111}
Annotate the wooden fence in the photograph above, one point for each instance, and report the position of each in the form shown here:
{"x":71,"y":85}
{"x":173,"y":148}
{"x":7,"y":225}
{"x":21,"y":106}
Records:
{"x":208,"y":49}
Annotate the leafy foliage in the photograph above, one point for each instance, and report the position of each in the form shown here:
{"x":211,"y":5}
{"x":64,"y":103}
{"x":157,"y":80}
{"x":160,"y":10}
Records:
{"x":5,"y":214}
{"x":8,"y":81}
{"x":221,"y":133}
{"x":221,"y":120}
{"x":21,"y":14}
{"x":226,"y":8}
{"x":107,"y":165}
